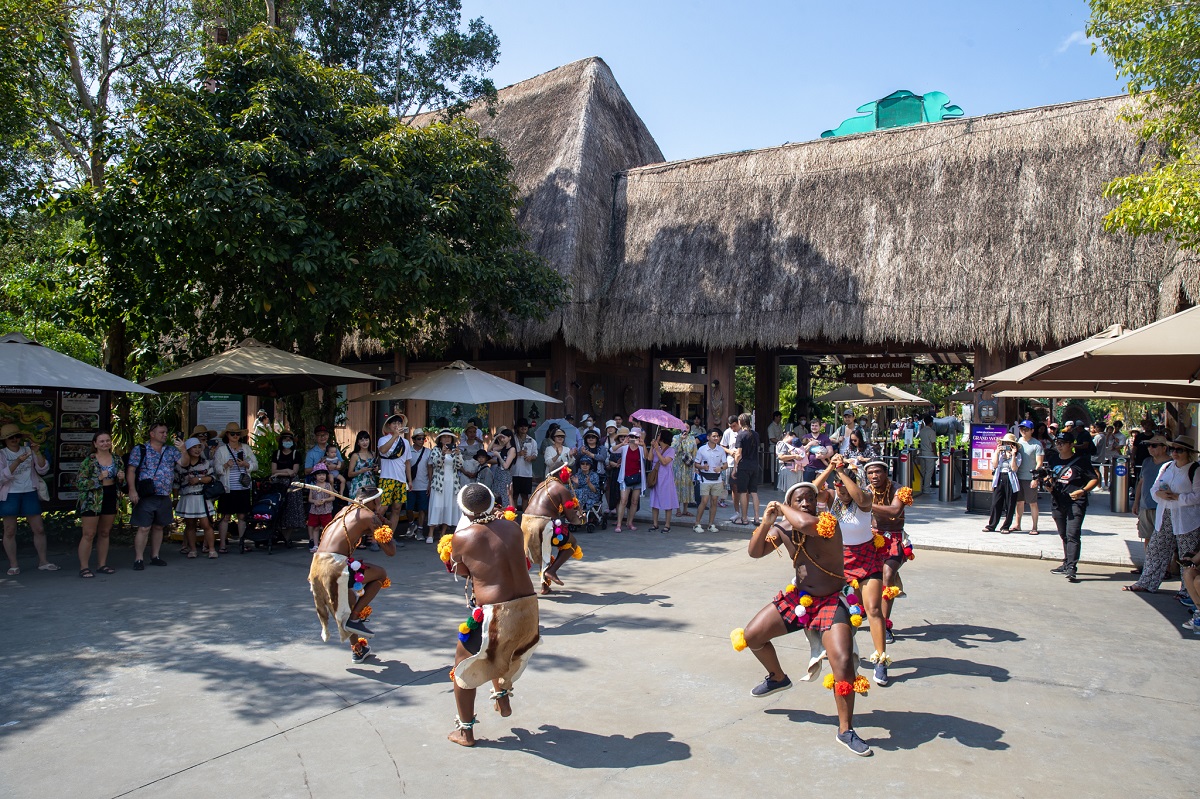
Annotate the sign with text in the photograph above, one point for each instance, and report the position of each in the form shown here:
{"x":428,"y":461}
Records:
{"x":878,"y":370}
{"x":984,"y":438}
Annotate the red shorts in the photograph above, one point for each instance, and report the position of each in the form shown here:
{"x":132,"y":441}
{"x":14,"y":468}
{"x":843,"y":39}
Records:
{"x":822,"y":614}
{"x":315,"y":520}
{"x":864,"y":561}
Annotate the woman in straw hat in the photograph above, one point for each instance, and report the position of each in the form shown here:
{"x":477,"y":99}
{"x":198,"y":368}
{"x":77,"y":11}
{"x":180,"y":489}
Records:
{"x":235,"y":463}
{"x":19,"y":495}
{"x":1177,"y":519}
{"x":1004,"y":483}
{"x":193,"y":507}
{"x":445,"y":476}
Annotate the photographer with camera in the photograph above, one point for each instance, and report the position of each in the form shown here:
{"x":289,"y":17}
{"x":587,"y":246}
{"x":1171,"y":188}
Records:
{"x":235,"y":462}
{"x":1070,"y":478}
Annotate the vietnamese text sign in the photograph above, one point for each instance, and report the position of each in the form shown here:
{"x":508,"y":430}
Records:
{"x":984,"y":438}
{"x":878,"y":370}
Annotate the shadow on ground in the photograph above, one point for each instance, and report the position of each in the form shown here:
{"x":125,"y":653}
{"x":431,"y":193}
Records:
{"x":963,"y":636}
{"x":576,"y":749}
{"x":907,"y":729}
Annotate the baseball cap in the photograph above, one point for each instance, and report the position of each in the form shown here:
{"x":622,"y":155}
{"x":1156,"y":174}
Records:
{"x":1065,"y":436}
{"x":1027,"y":424}
{"x":320,"y":429}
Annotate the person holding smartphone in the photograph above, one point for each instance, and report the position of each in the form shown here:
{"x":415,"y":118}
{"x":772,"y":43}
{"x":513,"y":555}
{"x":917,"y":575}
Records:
{"x":21,"y":466}
{"x":235,"y":463}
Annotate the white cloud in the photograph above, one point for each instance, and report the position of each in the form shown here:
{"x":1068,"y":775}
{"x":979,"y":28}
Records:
{"x":1077,"y":37}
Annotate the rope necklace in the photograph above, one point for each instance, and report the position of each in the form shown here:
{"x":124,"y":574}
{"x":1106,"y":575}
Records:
{"x":798,"y":540}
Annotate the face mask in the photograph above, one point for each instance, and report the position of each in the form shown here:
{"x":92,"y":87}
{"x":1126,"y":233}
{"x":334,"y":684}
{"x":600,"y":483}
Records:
{"x":286,"y":445}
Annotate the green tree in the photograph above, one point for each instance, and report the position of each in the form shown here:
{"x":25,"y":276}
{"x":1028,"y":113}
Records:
{"x":1155,"y":46}
{"x":290,"y":206}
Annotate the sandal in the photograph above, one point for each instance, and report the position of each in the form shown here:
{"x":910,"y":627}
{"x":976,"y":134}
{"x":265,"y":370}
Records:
{"x":989,"y":529}
{"x":86,"y":573}
{"x":616,"y":529}
{"x":191,"y":553}
{"x":106,"y":570}
{"x":48,"y":567}
{"x":212,"y":555}
{"x":666,"y":530}
{"x":1033,"y":531}
{"x":220,"y":551}
{"x":14,"y":571}
{"x":654,"y":529}
{"x":1137,"y":589}
{"x":185,"y":551}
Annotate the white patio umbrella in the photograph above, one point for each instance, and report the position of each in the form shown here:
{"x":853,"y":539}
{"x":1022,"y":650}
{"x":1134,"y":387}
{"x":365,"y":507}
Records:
{"x":24,"y":362}
{"x":458,"y":382}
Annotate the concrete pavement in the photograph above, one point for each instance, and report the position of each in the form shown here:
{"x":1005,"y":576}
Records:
{"x":208,"y":678}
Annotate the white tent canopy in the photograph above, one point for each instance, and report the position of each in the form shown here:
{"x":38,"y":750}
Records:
{"x":26,"y":363}
{"x":458,"y":382}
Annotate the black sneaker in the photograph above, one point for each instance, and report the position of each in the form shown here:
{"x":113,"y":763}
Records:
{"x":361,"y":657}
{"x":769,"y":686}
{"x":138,"y":566}
{"x":1060,"y":570}
{"x":888,"y":637}
{"x":157,"y":562}
{"x":1071,"y":578}
{"x":359,"y":627}
{"x":851,"y":741}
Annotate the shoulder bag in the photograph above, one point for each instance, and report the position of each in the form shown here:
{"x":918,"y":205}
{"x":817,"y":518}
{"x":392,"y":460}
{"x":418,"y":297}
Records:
{"x":145,"y":485}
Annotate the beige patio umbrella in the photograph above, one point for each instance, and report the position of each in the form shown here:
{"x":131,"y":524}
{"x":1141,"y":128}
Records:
{"x":856,"y":394}
{"x":1152,"y":392}
{"x":1025,"y":371}
{"x":25,"y":363}
{"x":1168,"y":349}
{"x":458,"y":382}
{"x":257,"y":369}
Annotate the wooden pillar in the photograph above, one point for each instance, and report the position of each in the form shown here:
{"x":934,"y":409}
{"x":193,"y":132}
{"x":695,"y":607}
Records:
{"x":766,"y":400}
{"x":803,"y":388}
{"x":988,"y":362}
{"x":720,"y":387}
{"x":563,"y":377}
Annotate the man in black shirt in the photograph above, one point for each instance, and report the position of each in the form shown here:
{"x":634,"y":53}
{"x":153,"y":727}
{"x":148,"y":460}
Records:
{"x":747,"y":469}
{"x":1071,"y":478}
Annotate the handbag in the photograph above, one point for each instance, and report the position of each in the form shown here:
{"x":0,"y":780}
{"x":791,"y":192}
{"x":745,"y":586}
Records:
{"x":145,"y":486}
{"x":652,"y":477}
{"x":214,"y":489}
{"x":43,"y":490}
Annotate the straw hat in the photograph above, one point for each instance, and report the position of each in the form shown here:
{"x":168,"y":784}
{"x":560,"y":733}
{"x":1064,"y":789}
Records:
{"x":623,"y":431}
{"x":1009,"y":438}
{"x":1186,"y":442}
{"x":233,"y":427}
{"x":396,"y":417}
{"x":445,"y":431}
{"x":200,"y":430}
{"x":1157,"y":439}
{"x":10,"y":429}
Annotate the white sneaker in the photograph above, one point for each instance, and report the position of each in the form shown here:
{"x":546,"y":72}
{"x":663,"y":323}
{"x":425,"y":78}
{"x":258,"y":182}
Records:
{"x":428,"y":539}
{"x":1192,"y":623}
{"x":699,"y":528}
{"x":712,"y":528}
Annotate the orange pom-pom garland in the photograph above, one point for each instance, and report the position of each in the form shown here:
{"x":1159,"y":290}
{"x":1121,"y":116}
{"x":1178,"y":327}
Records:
{"x":904,"y":494}
{"x":826,"y":525}
{"x":382,"y":534}
{"x":842,"y":688}
{"x":861,"y":684}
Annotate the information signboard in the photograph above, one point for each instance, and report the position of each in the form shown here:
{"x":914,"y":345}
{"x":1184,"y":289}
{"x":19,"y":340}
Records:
{"x":894,"y":369}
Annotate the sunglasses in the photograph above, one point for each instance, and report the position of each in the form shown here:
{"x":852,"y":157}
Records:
{"x":1156,"y":445}
{"x":1173,"y":450}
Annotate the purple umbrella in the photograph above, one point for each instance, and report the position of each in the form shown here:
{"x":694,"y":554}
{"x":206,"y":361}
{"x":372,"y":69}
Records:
{"x":660,"y":418}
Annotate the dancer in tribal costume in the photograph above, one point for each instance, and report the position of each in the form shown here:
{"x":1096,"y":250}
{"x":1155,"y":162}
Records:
{"x":548,"y":539}
{"x":888,"y":504}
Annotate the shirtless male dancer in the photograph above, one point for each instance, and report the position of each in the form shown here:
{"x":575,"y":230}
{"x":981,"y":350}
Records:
{"x":864,"y":551}
{"x":819,"y":602}
{"x":501,"y":630}
{"x":887,"y":510}
{"x":336,"y":572}
{"x":549,"y":510}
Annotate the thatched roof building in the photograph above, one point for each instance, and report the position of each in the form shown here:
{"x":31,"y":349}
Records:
{"x":568,"y":132}
{"x":977,"y":232}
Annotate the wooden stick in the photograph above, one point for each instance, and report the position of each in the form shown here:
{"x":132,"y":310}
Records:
{"x":330,"y":491}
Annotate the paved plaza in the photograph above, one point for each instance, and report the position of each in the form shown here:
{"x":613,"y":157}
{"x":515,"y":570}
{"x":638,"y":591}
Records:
{"x":210,"y":679}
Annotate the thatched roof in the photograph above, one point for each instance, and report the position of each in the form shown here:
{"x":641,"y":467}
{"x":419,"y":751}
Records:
{"x":567,"y":132}
{"x":981,"y":231}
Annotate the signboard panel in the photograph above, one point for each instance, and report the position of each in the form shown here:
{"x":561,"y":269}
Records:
{"x":896,"y":369}
{"x":984,"y":438}
{"x":215,"y":411}
{"x":60,"y":424}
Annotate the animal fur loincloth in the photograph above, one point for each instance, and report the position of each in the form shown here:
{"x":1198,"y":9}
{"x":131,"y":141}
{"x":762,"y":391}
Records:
{"x":816,"y":647}
{"x":538,"y":530}
{"x":329,"y":578}
{"x":509,"y":634}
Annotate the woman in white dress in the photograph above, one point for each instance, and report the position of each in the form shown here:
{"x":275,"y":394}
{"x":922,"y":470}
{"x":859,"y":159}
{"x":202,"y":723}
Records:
{"x":195,"y":472}
{"x":445,"y":476}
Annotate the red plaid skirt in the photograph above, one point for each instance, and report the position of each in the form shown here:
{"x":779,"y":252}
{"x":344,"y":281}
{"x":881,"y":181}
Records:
{"x":863,"y":561}
{"x":819,"y":616}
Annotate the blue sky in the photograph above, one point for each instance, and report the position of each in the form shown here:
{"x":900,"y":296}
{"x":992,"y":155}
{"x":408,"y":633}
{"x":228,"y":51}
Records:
{"x":710,"y":77}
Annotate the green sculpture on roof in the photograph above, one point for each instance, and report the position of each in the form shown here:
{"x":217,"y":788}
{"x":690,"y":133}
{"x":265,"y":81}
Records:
{"x":895,"y":111}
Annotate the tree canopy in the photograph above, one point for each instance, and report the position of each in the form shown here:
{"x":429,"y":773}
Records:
{"x":1155,"y":46}
{"x":289,"y":205}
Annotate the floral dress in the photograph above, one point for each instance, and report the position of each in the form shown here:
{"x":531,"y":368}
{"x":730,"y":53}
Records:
{"x":443,"y":487}
{"x":685,"y":447}
{"x":366,"y":478}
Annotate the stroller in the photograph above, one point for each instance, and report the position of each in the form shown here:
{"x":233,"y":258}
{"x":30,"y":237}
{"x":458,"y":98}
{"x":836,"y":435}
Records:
{"x":262,"y":528}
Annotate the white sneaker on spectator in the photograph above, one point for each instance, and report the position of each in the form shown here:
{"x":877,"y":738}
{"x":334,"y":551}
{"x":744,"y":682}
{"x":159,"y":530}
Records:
{"x":699,"y":528}
{"x":712,"y":528}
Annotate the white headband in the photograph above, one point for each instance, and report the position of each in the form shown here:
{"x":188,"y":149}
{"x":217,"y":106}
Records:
{"x":463,"y":507}
{"x":787,"y":497}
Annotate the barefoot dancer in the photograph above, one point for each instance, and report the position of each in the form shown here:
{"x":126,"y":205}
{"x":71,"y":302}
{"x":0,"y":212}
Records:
{"x":887,"y":510}
{"x":499,"y":635}
{"x":548,"y":540}
{"x":819,"y":602}
{"x":864,"y":550}
{"x":336,"y":572}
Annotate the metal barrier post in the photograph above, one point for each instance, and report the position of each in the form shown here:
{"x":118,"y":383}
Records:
{"x":904,"y":478}
{"x":1119,"y":493}
{"x":946,"y":476}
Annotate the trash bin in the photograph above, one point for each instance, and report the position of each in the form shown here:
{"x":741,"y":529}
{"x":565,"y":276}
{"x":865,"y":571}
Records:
{"x":946,"y":482}
{"x":904,"y":474}
{"x":1119,"y":493}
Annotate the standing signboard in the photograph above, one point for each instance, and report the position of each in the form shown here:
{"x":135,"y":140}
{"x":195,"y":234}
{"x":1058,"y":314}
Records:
{"x":215,"y":411}
{"x":984,"y":439}
{"x":61,"y":424}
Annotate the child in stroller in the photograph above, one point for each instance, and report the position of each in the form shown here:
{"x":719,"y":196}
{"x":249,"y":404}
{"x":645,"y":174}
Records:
{"x":589,"y":490}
